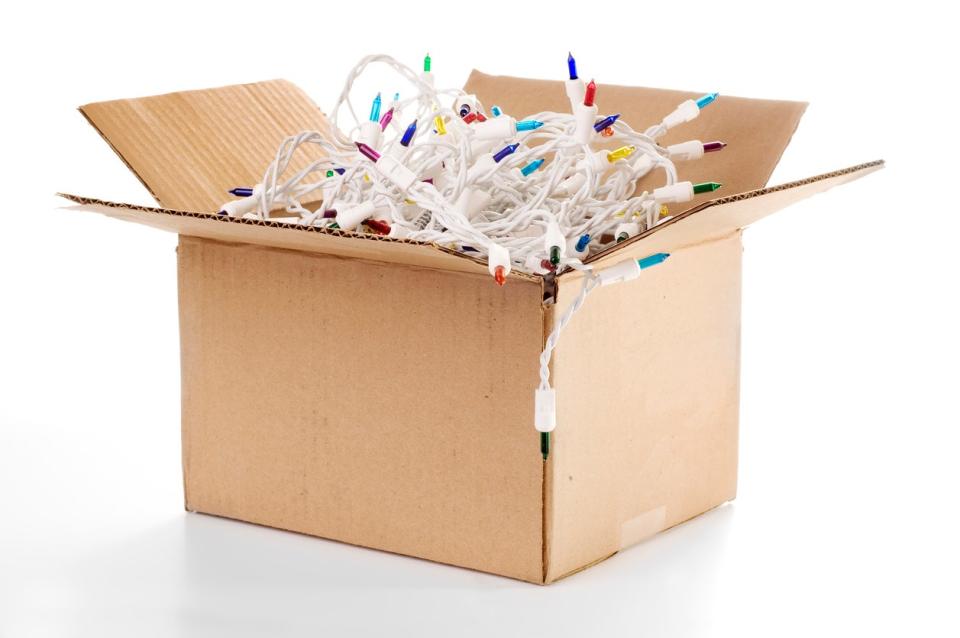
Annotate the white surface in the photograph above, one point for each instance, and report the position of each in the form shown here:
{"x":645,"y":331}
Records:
{"x":846,"y":522}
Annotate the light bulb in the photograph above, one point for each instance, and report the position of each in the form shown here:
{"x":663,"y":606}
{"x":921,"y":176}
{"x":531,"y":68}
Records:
{"x":590,"y":95}
{"x":408,"y":134}
{"x":606,"y":122}
{"x":531,"y":167}
{"x":571,"y":66}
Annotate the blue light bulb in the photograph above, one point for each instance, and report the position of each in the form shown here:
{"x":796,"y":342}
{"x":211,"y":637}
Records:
{"x":606,"y":122}
{"x":408,"y":134}
{"x":531,"y":167}
{"x":497,"y":112}
{"x":707,"y":100}
{"x":652,"y":260}
{"x":375,"y":109}
{"x":571,"y":66}
{"x":505,"y":151}
{"x":528,"y":125}
{"x":582,"y":243}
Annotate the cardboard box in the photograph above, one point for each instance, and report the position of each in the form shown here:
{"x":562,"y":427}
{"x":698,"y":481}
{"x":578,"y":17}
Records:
{"x":380,"y":392}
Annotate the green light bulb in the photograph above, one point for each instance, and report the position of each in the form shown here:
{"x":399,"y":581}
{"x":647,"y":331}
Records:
{"x":706,"y":187}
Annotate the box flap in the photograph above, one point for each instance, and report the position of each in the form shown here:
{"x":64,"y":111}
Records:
{"x":709,"y":221}
{"x":189,"y":148}
{"x":720,"y":217}
{"x":278,"y":234}
{"x":757,"y":130}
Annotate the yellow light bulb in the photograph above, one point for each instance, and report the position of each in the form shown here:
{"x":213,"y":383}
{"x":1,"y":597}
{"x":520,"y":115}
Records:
{"x":620,"y":153}
{"x":439,"y":125}
{"x":664,"y":211}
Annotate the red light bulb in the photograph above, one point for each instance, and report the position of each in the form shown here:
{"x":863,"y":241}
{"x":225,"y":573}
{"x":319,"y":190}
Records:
{"x":499,"y":275}
{"x":590,"y":94}
{"x":378,"y":226}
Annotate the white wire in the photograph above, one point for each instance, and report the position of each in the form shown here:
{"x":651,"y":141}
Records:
{"x":520,"y":213}
{"x":520,"y":209}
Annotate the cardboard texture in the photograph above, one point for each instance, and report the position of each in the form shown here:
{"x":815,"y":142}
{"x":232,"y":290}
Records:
{"x":189,"y":148}
{"x":304,"y":407}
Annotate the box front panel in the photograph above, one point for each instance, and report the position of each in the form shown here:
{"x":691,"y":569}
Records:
{"x":647,"y":379}
{"x":380,"y":405}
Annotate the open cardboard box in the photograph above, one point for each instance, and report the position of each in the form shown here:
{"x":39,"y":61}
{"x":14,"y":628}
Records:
{"x":380,"y":392}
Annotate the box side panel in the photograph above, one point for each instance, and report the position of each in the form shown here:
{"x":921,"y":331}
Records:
{"x":647,"y":379}
{"x":384,"y":406}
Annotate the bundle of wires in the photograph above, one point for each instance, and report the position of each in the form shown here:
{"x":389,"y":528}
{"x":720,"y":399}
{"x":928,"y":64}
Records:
{"x":538,"y":194}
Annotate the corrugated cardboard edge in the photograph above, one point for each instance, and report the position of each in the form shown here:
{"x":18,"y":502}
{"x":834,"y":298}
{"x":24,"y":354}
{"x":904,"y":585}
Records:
{"x":864,"y":168}
{"x":118,"y":154}
{"x":145,"y":212}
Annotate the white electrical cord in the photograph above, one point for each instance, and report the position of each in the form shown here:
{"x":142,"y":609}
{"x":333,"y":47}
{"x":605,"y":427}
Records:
{"x":538,"y":194}
{"x":520,"y":194}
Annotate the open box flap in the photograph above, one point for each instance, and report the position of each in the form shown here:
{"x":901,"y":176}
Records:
{"x":757,"y":131}
{"x":712,"y":220}
{"x":278,"y":234}
{"x":189,"y":148}
{"x":720,"y":217}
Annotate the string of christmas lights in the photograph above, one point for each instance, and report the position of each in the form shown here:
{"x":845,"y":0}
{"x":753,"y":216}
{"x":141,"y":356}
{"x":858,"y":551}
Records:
{"x":539,"y":194}
{"x":535,"y":194}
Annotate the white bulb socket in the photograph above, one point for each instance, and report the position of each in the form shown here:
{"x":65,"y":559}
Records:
{"x":630,"y":229}
{"x":545,"y":409}
{"x":687,"y":111}
{"x":554,"y":237}
{"x":576,"y":90}
{"x":642,"y":166}
{"x":498,"y":256}
{"x":686,"y":151}
{"x":398,"y":232}
{"x":350,"y":218}
{"x":597,"y":161}
{"x":674,"y":193}
{"x":497,"y":128}
{"x":621,"y":271}
{"x":586,"y":117}
{"x":572,"y":184}
{"x":391,"y":168}
{"x":370,"y":134}
{"x":240,"y":207}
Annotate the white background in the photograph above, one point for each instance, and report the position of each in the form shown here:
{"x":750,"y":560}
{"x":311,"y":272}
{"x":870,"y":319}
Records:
{"x":846,"y":521}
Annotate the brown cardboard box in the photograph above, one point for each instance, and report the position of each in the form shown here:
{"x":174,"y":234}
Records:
{"x":380,"y":392}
